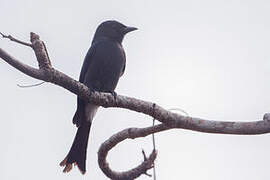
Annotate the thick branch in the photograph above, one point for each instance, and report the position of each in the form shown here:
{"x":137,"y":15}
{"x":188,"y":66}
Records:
{"x":161,"y":114}
{"x":107,"y":100}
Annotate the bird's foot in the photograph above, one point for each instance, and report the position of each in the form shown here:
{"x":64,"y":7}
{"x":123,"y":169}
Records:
{"x":92,"y":91}
{"x":113,"y":93}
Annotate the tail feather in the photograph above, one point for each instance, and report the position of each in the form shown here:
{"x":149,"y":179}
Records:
{"x":77,"y":153}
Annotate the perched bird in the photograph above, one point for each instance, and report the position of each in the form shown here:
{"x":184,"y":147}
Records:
{"x":102,"y":67}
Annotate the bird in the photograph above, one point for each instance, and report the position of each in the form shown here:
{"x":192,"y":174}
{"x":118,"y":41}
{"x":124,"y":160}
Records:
{"x":103,"y":65}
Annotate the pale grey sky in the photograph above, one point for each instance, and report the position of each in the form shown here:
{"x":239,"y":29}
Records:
{"x":210,"y":58}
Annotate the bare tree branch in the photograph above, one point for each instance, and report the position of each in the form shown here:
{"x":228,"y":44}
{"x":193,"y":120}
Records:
{"x":161,"y":114}
{"x":28,"y":70}
{"x":169,"y":119}
{"x":130,"y":133}
{"x":15,"y":40}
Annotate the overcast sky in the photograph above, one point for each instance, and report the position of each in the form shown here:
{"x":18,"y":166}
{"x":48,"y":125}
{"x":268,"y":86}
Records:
{"x":210,"y":58}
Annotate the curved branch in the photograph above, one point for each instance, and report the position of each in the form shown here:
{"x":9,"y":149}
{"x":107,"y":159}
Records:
{"x":132,"y":133}
{"x":129,"y":133}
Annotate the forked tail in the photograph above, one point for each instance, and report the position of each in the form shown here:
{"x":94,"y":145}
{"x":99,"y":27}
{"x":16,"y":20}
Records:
{"x":77,"y":153}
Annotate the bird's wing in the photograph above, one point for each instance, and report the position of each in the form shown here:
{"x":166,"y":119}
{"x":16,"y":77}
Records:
{"x":124,"y":67}
{"x":123,"y":70}
{"x":87,"y":61}
{"x":79,"y":114}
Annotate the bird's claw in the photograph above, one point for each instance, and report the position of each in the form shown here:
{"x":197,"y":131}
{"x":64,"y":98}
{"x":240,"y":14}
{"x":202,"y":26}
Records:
{"x":114,"y":94}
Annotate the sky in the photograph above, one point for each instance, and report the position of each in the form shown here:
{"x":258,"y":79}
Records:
{"x":209,"y":58}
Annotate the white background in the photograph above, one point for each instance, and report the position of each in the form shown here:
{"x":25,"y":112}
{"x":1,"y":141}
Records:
{"x":210,"y":58}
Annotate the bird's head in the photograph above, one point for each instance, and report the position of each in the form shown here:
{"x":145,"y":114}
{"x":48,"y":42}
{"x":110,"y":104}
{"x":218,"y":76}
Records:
{"x":113,"y":30}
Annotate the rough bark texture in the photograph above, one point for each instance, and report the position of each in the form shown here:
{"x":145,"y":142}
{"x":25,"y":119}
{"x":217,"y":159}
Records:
{"x":168,"y":119}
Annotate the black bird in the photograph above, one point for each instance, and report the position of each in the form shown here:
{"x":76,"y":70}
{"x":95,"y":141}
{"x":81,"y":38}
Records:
{"x":102,"y":67}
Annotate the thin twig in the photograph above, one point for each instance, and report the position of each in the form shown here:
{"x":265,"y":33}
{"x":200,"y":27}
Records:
{"x":32,"y":85}
{"x":144,"y":155}
{"x":154,"y":142}
{"x":153,"y":136}
{"x":16,"y":40}
{"x":154,"y":146}
{"x":178,"y":109}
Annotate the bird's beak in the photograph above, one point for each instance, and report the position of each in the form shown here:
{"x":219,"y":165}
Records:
{"x":129,"y":29}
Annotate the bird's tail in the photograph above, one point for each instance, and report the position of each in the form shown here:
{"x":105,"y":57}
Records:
{"x":77,"y":153}
{"x":84,"y":113}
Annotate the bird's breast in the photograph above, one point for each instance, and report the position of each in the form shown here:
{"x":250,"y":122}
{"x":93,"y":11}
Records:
{"x":106,"y":67}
